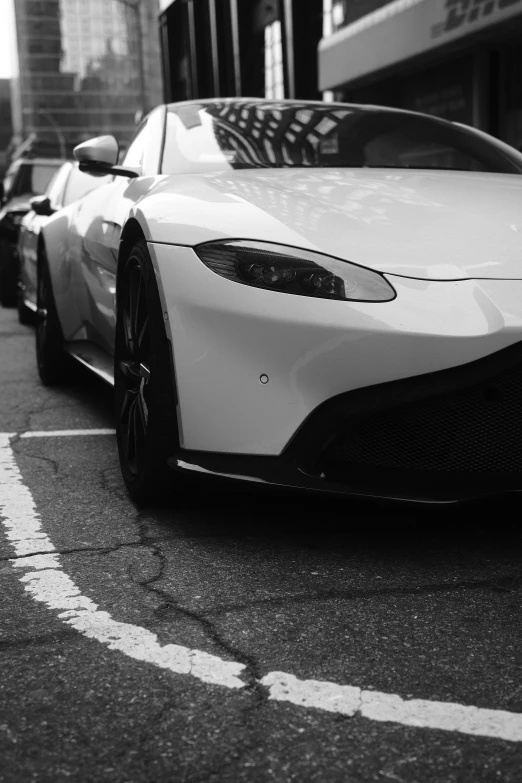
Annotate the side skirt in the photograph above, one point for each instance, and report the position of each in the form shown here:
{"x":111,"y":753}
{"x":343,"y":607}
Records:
{"x":94,"y":358}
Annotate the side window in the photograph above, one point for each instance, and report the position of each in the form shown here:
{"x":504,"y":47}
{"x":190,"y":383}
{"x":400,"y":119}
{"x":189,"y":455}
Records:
{"x":56,"y":186}
{"x":145,"y":148}
{"x":41,"y":176}
{"x":32,"y":179}
{"x":8,"y":181}
{"x":151,"y":160}
{"x":138,"y":146}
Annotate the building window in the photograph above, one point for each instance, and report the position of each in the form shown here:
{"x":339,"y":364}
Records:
{"x":274,"y":80}
{"x":334,"y":15}
{"x":327,"y":18}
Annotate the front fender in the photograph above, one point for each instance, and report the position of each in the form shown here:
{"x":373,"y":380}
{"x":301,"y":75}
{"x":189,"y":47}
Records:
{"x":65,"y":271}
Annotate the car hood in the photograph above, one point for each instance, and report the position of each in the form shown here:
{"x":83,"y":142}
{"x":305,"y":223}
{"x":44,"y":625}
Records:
{"x":435,"y":225}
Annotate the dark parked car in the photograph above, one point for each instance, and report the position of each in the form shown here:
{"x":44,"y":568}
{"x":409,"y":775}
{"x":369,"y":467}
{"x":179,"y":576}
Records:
{"x":25,"y":177}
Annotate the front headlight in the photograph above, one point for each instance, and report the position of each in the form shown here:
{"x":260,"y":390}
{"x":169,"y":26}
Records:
{"x":294,"y":271}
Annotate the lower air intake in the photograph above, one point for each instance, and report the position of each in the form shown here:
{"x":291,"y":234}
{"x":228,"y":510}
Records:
{"x":477,"y":430}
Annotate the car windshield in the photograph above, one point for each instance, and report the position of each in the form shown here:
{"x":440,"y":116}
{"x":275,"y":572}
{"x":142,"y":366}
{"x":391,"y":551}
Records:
{"x":33,"y":179}
{"x":250,"y":134}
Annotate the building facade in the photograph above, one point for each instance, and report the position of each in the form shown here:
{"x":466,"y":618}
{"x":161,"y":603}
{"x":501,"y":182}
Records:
{"x":85,"y":68}
{"x":458,"y":59}
{"x":253,"y":48}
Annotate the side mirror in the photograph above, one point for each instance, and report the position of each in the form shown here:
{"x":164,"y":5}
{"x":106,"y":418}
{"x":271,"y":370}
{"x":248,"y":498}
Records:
{"x":100,"y":156}
{"x":41,"y":205}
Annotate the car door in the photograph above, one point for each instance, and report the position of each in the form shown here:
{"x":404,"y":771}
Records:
{"x":31,"y":228}
{"x":98,"y":226}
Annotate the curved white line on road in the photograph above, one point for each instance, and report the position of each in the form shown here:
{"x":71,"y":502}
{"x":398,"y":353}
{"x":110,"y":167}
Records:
{"x":48,"y":583}
{"x":389,"y":707}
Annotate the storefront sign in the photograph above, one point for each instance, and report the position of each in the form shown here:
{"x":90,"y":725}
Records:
{"x":462,"y":13}
{"x":401,"y":30}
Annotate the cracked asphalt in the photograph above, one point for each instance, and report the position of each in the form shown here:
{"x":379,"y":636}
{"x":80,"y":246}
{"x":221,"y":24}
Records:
{"x":424,"y":603}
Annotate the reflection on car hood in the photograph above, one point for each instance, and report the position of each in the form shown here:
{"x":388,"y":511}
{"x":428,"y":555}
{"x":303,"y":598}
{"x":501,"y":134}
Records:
{"x":438,"y":225}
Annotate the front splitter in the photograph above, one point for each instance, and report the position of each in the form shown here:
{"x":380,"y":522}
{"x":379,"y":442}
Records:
{"x":284,"y":472}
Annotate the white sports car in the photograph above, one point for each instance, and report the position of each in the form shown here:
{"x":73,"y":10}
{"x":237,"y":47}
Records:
{"x":323,"y":296}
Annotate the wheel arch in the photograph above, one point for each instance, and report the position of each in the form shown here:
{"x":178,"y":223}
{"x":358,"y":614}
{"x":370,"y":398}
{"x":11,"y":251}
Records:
{"x":40,"y":249}
{"x":41,"y":252}
{"x":143,"y":481}
{"x":132,"y":234}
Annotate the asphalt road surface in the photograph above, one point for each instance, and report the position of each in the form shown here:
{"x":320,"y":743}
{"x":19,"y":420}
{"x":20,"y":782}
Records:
{"x":240,"y":636}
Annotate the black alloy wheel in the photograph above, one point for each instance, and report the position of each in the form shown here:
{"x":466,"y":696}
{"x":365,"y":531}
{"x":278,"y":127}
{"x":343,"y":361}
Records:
{"x":144,"y":385}
{"x":55,"y":366}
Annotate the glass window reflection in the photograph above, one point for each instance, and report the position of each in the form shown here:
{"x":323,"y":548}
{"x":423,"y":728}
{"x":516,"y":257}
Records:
{"x":235,"y":135}
{"x":79,"y":63}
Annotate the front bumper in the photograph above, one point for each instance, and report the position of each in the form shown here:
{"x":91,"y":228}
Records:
{"x":226,"y":336}
{"x":448,"y":436}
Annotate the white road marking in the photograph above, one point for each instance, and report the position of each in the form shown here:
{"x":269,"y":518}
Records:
{"x":389,"y":707}
{"x":64,"y":433}
{"x":46,"y":581}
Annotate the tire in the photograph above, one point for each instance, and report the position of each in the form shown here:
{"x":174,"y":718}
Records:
{"x":25,"y":315}
{"x":8,"y":274}
{"x":144,"y":384}
{"x":54,"y":365}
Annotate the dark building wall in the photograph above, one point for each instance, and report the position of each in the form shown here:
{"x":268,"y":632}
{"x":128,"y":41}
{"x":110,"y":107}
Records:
{"x":212,"y":48}
{"x":6,"y":126}
{"x":305,"y":32}
{"x":178,"y":77}
{"x":216,"y":48}
{"x":445,"y":90}
{"x":253,"y":17}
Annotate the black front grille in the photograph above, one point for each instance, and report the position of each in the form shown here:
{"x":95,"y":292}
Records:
{"x":477,"y":430}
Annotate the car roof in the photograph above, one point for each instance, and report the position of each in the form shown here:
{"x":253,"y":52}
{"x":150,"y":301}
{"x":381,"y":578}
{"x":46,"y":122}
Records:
{"x":299,"y":102}
{"x":368,"y":107}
